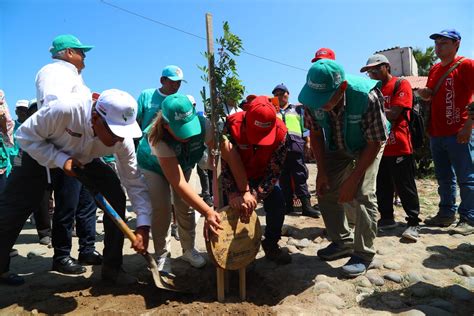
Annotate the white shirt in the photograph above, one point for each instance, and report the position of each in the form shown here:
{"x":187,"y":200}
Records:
{"x":57,"y":79}
{"x":63,"y":130}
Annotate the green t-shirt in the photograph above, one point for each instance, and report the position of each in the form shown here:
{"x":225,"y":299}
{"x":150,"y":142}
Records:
{"x":149,"y":103}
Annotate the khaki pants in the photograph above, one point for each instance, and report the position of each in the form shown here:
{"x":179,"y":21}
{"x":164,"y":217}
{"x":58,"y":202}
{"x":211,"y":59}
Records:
{"x":160,"y":196}
{"x":339,"y":165}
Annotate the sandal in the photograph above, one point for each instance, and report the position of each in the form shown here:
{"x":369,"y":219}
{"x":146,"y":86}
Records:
{"x":12,"y":279}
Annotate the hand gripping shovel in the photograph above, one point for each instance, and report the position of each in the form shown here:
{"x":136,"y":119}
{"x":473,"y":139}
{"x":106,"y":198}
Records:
{"x":161,"y":281}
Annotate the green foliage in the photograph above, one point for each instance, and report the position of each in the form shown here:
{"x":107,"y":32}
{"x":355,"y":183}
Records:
{"x":425,"y":60}
{"x":229,"y":87}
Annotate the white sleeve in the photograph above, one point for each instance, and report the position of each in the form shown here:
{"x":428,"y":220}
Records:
{"x":134,"y":182}
{"x":33,"y":135}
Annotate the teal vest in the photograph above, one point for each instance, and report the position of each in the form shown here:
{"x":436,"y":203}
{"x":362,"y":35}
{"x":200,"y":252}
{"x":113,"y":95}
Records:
{"x":149,"y":104}
{"x":188,"y":154}
{"x":357,"y":97}
{"x":293,"y":120}
{"x":4,"y":156}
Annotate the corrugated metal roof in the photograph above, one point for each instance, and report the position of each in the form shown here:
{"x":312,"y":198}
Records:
{"x":417,"y":82}
{"x":392,"y":48}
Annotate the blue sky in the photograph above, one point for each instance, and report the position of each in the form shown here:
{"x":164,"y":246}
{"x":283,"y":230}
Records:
{"x":130,"y":51}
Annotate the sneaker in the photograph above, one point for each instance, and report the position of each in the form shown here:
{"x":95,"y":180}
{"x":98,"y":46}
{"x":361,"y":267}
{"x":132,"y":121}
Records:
{"x":386,"y":223}
{"x":117,"y":276}
{"x":463,"y":228}
{"x":194,"y":258}
{"x":13,"y":279}
{"x":128,"y":216}
{"x":274,"y":253}
{"x":100,"y":218}
{"x":355,"y":266}
{"x":46,"y":240}
{"x":440,"y":221}
{"x":164,"y":264}
{"x":397,"y":201}
{"x":13,"y":252}
{"x":334,"y":251}
{"x":209,"y":201}
{"x":412,"y":233}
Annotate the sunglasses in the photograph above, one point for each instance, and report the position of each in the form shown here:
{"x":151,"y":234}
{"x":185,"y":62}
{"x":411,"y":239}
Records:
{"x":375,"y":69}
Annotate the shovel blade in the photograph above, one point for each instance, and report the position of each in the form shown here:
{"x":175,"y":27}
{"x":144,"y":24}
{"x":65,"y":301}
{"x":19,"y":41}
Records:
{"x":161,"y":281}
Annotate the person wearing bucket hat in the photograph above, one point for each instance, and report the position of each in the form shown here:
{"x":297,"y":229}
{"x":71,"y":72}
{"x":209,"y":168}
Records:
{"x":450,"y":89}
{"x":347,"y":138}
{"x":64,"y":75}
{"x":68,"y":135}
{"x":396,"y":172}
{"x":260,"y":139}
{"x":172,"y":146}
{"x":149,"y":101}
{"x":294,"y":174}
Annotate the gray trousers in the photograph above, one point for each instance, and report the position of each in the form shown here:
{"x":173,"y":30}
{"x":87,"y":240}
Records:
{"x":339,"y":165}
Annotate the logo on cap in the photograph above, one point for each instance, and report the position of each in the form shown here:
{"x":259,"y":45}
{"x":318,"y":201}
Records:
{"x":263,"y":124}
{"x":128,"y":114}
{"x":316,"y":86}
{"x":182,"y":116}
{"x":179,"y":72}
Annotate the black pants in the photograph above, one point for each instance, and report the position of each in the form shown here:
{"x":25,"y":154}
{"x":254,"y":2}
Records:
{"x":24,"y":190}
{"x":294,"y":168}
{"x":41,"y":215}
{"x":398,"y":172}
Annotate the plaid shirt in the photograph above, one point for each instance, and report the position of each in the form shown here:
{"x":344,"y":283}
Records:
{"x":374,"y":122}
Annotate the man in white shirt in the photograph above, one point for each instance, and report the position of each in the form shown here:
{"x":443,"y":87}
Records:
{"x":74,"y":203}
{"x":72,"y":133}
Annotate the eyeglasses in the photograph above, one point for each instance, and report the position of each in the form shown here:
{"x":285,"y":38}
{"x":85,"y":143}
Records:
{"x":79,"y":52}
{"x":375,"y":70}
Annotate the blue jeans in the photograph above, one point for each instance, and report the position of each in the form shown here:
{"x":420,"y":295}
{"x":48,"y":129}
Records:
{"x":454,"y":162}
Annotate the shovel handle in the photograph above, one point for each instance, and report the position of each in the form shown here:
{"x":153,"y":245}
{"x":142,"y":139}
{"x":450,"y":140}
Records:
{"x":100,"y":199}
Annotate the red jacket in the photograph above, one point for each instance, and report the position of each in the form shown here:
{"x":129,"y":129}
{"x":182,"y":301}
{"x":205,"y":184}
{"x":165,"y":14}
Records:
{"x":255,"y":158}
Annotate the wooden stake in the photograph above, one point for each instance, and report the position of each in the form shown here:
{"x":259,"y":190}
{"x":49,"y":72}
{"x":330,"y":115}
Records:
{"x":220,"y":284}
{"x":242,"y":283}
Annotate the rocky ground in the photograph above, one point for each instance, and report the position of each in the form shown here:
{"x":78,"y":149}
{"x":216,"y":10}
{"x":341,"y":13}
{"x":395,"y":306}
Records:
{"x":434,"y":276}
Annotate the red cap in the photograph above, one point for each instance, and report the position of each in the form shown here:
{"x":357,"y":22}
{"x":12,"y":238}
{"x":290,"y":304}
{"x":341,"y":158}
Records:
{"x":324,"y":53}
{"x":261,"y":122}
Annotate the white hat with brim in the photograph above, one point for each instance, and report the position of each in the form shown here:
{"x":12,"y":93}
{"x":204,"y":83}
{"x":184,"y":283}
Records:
{"x":119,"y":109}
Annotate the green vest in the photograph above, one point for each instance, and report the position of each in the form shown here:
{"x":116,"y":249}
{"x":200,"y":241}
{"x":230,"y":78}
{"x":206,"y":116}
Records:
{"x":293,"y":120}
{"x":357,"y":98}
{"x":188,"y":154}
{"x":4,"y":156}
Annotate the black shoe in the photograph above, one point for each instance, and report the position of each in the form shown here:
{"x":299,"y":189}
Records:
{"x":274,"y":253}
{"x":117,"y":276}
{"x":90,"y":259}
{"x":333,"y":252}
{"x":440,"y":221}
{"x":208,"y":200}
{"x":68,"y":266}
{"x":307,"y":209}
{"x":386,"y":223}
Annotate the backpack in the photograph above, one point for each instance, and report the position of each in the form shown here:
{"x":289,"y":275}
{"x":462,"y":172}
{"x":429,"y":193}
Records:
{"x":416,"y":123}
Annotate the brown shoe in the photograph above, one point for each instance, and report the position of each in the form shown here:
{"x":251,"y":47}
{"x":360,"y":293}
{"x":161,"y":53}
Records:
{"x":274,"y":253}
{"x":440,"y":221}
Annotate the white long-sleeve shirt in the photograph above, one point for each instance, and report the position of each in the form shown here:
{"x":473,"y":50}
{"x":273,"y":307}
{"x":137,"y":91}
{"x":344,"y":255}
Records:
{"x":58,"y":79}
{"x":63,"y":129}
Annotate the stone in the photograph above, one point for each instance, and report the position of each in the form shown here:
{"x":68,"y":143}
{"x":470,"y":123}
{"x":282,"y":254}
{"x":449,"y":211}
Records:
{"x":303,"y":243}
{"x":363,"y":282}
{"x":376,"y":264}
{"x":469,"y":282}
{"x":332,"y":300}
{"x":360,"y":297}
{"x":375,"y":279}
{"x":185,"y":312}
{"x":318,"y":240}
{"x":321,"y":277}
{"x":412,"y":312}
{"x":35,"y":253}
{"x":323,"y":286}
{"x":414,"y":277}
{"x":464,"y":270}
{"x":391,"y":266}
{"x":382,"y":251}
{"x":460,"y":293}
{"x":292,"y":241}
{"x":292,"y":249}
{"x":442,"y":304}
{"x":458,"y":236}
{"x":361,"y":289}
{"x":395,"y":277}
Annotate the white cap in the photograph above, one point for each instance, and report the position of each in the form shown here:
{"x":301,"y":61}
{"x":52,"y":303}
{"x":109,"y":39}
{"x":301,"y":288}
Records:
{"x":22,"y":104}
{"x":191,"y":98}
{"x":119,"y":109}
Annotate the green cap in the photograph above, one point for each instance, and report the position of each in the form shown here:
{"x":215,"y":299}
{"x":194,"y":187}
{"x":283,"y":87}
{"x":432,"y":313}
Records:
{"x":181,"y":115}
{"x":62,"y":42}
{"x":324,"y":77}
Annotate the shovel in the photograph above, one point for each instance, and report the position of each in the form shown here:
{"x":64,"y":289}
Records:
{"x":161,"y":281}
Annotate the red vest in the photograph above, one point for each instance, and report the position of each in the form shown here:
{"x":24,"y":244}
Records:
{"x":254,"y":158}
